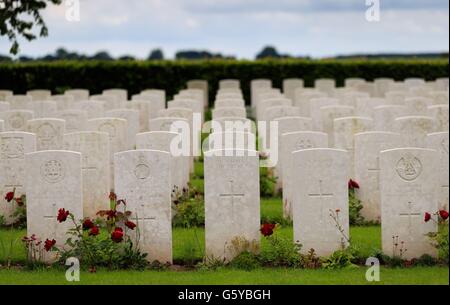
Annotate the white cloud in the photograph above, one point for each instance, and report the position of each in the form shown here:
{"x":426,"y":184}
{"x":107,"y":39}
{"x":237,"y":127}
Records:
{"x":242,"y":28}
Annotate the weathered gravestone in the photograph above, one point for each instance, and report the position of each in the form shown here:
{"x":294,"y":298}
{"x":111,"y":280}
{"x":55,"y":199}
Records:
{"x":132,"y":118}
{"x":53,"y":182}
{"x":368,"y":146}
{"x":439,"y":142}
{"x":163,"y":141}
{"x":320,"y":206}
{"x":13,"y":147}
{"x":344,"y":131}
{"x":16,"y":120}
{"x":49,"y":133}
{"x":76,"y":120}
{"x":290,"y":142}
{"x":143,"y":180}
{"x":117,"y":130}
{"x":232,"y":206}
{"x":415,"y":129}
{"x":95,"y":167}
{"x":408,"y":188}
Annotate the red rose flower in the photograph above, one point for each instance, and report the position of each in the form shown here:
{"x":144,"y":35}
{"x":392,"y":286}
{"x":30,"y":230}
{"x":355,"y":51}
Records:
{"x":87,"y":224}
{"x":352,"y":184}
{"x":267,"y":229}
{"x":62,"y":215}
{"x":94,"y":231}
{"x":427,"y":217}
{"x":131,"y":225}
{"x":20,"y":201}
{"x":111,"y":214}
{"x":112,"y":196}
{"x":443,"y":214}
{"x":9,"y":196}
{"x":49,"y":244}
{"x":117,"y":235}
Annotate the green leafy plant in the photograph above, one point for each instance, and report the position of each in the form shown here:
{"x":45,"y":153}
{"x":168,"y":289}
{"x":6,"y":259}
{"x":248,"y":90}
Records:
{"x":267,"y":182}
{"x":189,"y":208}
{"x":13,"y":24}
{"x":281,"y":251}
{"x":246,"y":261}
{"x":354,"y":204}
{"x":338,"y":260}
{"x":20,"y":212}
{"x":440,"y":239}
{"x":111,"y":240}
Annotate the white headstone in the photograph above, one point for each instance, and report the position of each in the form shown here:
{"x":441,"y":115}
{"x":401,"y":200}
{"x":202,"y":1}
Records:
{"x":415,"y":129}
{"x":229,"y":84}
{"x":13,"y":172}
{"x":290,"y":142}
{"x":319,"y":198}
{"x":49,"y":133}
{"x":368,"y":146}
{"x":132,"y":118}
{"x":18,"y":102}
{"x":76,"y":120}
{"x":39,"y":95}
{"x":16,"y":120}
{"x":439,"y":142}
{"x":229,"y":112}
{"x":232,"y":209}
{"x":384,"y":116}
{"x":344,"y":132}
{"x":290,"y":85}
{"x":440,"y":113}
{"x":161,"y":140}
{"x":78,"y":94}
{"x":143,"y":180}
{"x":408,"y":187}
{"x":53,"y":182}
{"x":329,"y":114}
{"x":94,"y":149}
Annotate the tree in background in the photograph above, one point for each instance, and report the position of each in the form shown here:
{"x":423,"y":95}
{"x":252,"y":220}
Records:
{"x":268,"y":52}
{"x":156,"y":54}
{"x":15,"y":23}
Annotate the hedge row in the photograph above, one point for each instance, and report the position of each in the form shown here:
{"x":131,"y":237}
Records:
{"x":173,"y":75}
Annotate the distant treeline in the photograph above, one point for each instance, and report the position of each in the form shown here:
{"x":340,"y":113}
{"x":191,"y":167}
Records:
{"x":157,"y":54}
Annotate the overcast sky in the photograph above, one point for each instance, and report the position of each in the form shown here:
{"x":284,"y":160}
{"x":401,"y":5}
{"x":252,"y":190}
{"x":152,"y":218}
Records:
{"x":242,"y":27}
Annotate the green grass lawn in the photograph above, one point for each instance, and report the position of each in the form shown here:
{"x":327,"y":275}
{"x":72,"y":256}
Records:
{"x":417,"y":275}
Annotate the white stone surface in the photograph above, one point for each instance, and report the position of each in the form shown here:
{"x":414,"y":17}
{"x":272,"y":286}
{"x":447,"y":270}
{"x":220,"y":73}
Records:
{"x":408,"y":188}
{"x":415,"y":129}
{"x":232,"y":207}
{"x":94,"y":149}
{"x":76,"y":120}
{"x":229,"y":112}
{"x":290,"y":142}
{"x":320,"y":196}
{"x":143,"y":180}
{"x":440,"y":113}
{"x":49,"y":133}
{"x":161,"y":140}
{"x":329,"y":113}
{"x":368,"y":146}
{"x":53,"y":182}
{"x":16,"y":120}
{"x":439,"y":142}
{"x":13,"y":171}
{"x":132,"y":118}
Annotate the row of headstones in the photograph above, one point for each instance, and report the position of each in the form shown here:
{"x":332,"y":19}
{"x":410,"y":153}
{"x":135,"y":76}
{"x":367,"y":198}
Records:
{"x":232,"y":207}
{"x":98,"y":140}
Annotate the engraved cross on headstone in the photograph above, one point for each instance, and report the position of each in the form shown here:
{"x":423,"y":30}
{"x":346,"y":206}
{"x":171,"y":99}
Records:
{"x":321,"y":195}
{"x":141,"y":217}
{"x":232,"y":194}
{"x":377,"y":171}
{"x":52,"y":216}
{"x":410,"y":214}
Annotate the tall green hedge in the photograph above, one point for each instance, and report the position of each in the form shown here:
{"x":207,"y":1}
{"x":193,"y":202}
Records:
{"x":173,"y":75}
